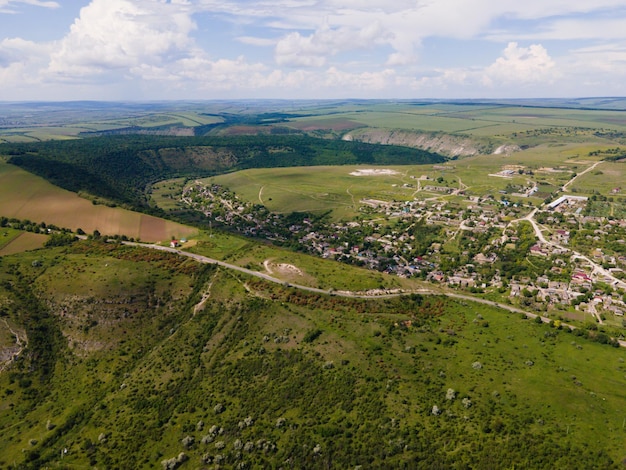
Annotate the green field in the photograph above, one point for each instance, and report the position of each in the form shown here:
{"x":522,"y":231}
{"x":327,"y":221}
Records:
{"x":7,"y":235}
{"x":608,"y":178}
{"x":320,"y":189}
{"x":478,"y":120}
{"x":313,"y":271}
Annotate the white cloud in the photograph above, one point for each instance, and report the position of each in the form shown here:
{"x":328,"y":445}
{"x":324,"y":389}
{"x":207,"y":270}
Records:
{"x":323,"y":47}
{"x":253,"y":41}
{"x":523,"y":65}
{"x":123,"y":34}
{"x":8,"y":6}
{"x":20,"y":62}
{"x":315,"y":49}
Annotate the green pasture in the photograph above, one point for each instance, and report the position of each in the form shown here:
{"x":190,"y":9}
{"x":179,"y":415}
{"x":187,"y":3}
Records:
{"x":532,"y":366}
{"x":320,"y":189}
{"x":316,"y":272}
{"x":7,"y":235}
{"x":166,"y":194}
{"x":604,"y":179}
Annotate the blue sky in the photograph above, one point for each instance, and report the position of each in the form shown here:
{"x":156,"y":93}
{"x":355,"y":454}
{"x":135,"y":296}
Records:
{"x":225,"y":49}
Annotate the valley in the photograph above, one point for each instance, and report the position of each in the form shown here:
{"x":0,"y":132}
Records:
{"x":362,"y":284}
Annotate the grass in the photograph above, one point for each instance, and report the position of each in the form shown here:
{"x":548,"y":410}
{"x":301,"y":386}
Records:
{"x":320,"y":189}
{"x":166,"y":194}
{"x":7,"y":235}
{"x":320,"y":273}
{"x":25,"y":196}
{"x":145,"y":380}
{"x":603,"y":179}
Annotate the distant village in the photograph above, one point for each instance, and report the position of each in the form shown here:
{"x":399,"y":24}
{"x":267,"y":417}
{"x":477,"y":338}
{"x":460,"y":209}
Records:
{"x":554,"y":258}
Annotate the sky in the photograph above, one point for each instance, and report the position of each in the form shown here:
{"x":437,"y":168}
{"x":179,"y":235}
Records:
{"x":310,"y":49}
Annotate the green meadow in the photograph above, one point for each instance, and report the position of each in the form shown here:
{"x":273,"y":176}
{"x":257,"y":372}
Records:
{"x":149,"y":351}
{"x":311,"y":271}
{"x":321,"y":189}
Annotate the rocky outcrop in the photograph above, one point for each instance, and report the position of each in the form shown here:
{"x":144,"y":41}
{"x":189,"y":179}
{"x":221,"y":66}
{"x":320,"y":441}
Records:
{"x":444,"y":144}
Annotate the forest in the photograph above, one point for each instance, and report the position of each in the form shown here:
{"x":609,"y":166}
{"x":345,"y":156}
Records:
{"x":119,"y":168}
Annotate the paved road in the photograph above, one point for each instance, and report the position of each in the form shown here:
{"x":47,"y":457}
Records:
{"x":353,"y":295}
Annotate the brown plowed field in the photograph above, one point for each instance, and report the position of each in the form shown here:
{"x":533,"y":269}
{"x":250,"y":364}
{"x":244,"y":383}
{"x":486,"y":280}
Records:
{"x":26,"y":196}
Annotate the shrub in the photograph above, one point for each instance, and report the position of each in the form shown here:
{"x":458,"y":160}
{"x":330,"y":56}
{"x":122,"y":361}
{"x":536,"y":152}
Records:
{"x":312,"y":335}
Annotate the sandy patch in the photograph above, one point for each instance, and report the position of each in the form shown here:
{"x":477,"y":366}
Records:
{"x":288,"y":269}
{"x":281,"y":268}
{"x":374,"y":172}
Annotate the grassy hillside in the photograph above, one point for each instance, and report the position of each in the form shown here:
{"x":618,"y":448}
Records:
{"x":141,"y":359}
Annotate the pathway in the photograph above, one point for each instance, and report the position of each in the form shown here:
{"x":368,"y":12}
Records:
{"x":354,"y":295}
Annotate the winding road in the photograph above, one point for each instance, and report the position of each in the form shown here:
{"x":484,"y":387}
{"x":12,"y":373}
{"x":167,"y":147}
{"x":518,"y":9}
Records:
{"x":354,"y":295}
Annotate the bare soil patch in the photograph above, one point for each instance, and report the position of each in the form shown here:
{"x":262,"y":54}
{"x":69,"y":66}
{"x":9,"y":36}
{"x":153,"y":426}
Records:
{"x":25,"y":242}
{"x":375,"y":172}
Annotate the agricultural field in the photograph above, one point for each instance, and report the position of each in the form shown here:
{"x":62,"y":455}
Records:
{"x":33,"y":124}
{"x":27,"y":197}
{"x":25,"y":241}
{"x":478,"y":120}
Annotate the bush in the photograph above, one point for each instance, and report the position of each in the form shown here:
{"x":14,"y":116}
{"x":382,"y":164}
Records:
{"x":312,"y":335}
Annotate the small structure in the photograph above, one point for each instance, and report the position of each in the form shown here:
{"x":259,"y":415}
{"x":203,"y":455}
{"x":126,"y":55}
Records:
{"x":562,"y":199}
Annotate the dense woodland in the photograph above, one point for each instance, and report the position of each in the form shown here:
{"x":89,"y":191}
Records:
{"x":120,"y":168}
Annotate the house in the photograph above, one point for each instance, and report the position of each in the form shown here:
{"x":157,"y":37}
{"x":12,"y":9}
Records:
{"x":538,"y":250}
{"x":174,"y":244}
{"x":581,"y":279}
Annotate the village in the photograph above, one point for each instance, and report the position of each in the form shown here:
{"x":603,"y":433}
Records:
{"x":553,"y":258}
